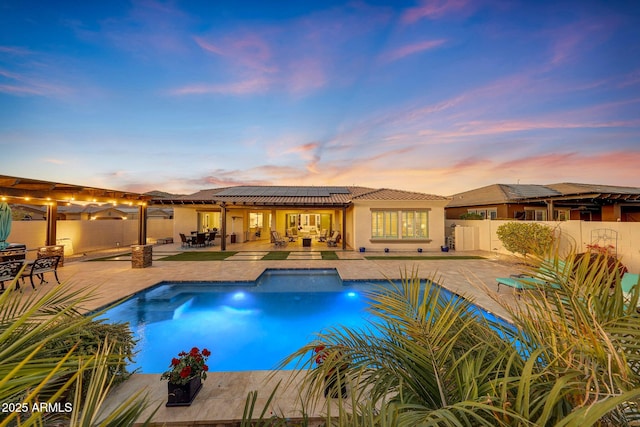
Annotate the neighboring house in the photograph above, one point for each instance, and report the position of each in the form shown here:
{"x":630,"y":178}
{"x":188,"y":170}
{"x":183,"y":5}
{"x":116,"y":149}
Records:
{"x":553,"y":202}
{"x":92,"y":211}
{"x":22,"y":212}
{"x":364,"y":217}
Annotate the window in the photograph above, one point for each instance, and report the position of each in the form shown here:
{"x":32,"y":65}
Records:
{"x":485,"y":213}
{"x":535,"y":214}
{"x":414,"y":224}
{"x":384,"y":224}
{"x":256,"y":220}
{"x":400,"y":224}
{"x":209,"y":220}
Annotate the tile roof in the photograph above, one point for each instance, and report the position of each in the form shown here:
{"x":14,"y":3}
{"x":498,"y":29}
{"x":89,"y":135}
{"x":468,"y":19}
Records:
{"x":391,"y":194}
{"x":499,"y":193}
{"x":511,"y":193}
{"x":297,"y":195}
{"x":573,"y":188}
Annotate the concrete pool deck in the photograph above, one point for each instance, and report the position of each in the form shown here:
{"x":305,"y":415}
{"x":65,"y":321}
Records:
{"x":222,"y":398}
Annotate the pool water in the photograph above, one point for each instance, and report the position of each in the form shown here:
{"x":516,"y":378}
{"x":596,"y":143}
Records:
{"x":245,"y":325}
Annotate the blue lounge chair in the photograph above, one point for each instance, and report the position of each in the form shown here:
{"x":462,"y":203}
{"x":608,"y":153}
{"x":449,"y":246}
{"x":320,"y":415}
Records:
{"x":538,"y":280}
{"x":629,"y":280}
{"x":521,"y":282}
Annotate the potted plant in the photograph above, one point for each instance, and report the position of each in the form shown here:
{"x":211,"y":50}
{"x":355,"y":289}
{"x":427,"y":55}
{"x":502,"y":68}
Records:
{"x":185,"y":376}
{"x":333,"y":386}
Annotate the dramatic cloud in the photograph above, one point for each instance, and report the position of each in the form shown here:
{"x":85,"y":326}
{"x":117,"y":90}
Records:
{"x":411,"y":49}
{"x":434,"y":9}
{"x":256,"y":85}
{"x":438,"y":96}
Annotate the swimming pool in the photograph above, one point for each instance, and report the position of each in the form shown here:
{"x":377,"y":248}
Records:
{"x":246,"y":325}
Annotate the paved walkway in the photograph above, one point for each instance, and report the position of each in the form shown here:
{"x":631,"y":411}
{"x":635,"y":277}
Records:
{"x":223,"y":396}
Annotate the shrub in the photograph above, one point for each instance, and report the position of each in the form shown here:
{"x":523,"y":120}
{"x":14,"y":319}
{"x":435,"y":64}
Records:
{"x":471,"y":216}
{"x":51,"y":354}
{"x":525,"y":237}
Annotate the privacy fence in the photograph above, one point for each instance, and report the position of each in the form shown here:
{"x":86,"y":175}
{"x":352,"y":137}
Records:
{"x":624,"y":237}
{"x":85,"y":236}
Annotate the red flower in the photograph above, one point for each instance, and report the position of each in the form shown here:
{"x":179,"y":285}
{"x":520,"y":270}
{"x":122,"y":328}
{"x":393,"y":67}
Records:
{"x":322,"y":355}
{"x":187,"y":365}
{"x":186,"y":372}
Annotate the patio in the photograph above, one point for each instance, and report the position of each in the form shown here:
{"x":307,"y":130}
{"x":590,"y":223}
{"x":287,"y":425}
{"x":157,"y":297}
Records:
{"x":222,"y":399}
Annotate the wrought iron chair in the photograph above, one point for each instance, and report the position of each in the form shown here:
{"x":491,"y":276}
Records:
{"x":41,"y":266}
{"x":10,"y":270}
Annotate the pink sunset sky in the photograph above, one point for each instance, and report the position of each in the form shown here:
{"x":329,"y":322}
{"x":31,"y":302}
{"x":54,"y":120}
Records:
{"x":436,"y":96}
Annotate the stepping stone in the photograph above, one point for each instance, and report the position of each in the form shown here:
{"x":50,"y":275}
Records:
{"x":304,"y":255}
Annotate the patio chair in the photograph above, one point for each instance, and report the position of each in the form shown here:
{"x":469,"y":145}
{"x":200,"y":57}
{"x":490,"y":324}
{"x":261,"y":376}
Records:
{"x":201,"y":239}
{"x":211,"y":238}
{"x":41,"y":266}
{"x":334,"y":239}
{"x":292,"y":234}
{"x":277,"y":240}
{"x":322,"y":237}
{"x":185,"y":242}
{"x":10,"y":270}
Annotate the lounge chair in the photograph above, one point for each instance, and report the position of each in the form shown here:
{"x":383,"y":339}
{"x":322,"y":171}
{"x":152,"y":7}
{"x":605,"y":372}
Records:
{"x":41,"y":266}
{"x":322,"y":237}
{"x":10,"y":270}
{"x":292,"y":234}
{"x":277,"y":240}
{"x":334,"y":239}
{"x":629,"y":280}
{"x":537,"y":280}
{"x":521,"y":282}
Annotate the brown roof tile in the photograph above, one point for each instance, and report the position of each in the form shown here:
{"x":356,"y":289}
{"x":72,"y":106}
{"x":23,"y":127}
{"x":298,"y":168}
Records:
{"x":390,"y":194}
{"x":294,"y":195}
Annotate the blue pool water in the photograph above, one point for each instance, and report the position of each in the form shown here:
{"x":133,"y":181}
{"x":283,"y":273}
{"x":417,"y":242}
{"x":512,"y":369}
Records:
{"x":245,"y":325}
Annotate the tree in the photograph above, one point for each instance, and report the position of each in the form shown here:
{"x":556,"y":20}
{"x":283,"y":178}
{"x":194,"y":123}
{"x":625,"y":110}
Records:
{"x":525,"y":237}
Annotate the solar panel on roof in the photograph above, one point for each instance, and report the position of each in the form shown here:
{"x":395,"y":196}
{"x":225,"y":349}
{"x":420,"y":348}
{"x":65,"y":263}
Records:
{"x":283,"y":191}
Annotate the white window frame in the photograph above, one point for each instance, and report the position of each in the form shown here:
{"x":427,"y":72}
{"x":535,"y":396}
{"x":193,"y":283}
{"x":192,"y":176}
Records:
{"x":410,"y":224}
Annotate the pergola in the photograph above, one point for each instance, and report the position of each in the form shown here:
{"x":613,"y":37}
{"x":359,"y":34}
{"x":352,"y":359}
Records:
{"x":52,"y":194}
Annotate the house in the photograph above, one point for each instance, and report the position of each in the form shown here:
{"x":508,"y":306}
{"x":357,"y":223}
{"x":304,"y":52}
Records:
{"x":368,"y":218}
{"x":553,"y":202}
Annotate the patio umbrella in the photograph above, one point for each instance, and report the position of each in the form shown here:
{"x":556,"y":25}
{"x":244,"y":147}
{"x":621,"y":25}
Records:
{"x":5,"y":224}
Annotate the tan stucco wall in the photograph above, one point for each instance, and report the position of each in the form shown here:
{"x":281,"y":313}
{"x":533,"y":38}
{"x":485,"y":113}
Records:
{"x":85,"y":236}
{"x":574,"y":235}
{"x":185,"y":220}
{"x":362,"y":225}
